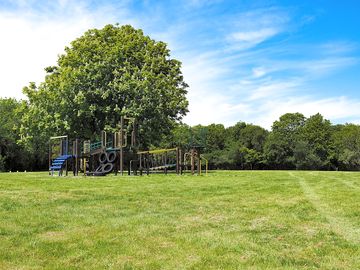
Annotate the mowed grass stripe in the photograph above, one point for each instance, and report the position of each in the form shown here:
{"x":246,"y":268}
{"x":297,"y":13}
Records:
{"x":349,"y":179}
{"x":342,"y":199}
{"x":347,"y":182}
{"x":339,"y":225}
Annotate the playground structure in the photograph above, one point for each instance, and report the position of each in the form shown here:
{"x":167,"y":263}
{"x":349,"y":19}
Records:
{"x":117,"y":152}
{"x":165,"y":159}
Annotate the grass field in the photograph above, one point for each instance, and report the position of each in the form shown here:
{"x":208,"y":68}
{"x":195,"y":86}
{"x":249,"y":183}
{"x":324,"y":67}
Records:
{"x":228,"y":220}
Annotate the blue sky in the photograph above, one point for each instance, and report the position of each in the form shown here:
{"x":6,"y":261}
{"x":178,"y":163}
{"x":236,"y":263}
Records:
{"x":244,"y":60}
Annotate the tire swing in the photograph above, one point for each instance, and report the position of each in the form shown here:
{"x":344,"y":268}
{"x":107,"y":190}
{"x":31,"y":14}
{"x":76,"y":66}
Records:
{"x":111,"y":157}
{"x":99,"y":169}
{"x":106,"y":163}
{"x":103,"y":158}
{"x":107,"y":168}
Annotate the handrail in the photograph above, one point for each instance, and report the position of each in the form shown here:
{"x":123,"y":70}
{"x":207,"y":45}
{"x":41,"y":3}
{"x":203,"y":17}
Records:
{"x":95,"y":145}
{"x":157,"y":151}
{"x":58,"y":137}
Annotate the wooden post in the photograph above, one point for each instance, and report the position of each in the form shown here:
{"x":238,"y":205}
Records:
{"x":181,"y":161}
{"x":192,"y":161}
{"x":177,"y":160}
{"x":121,"y":145}
{"x":147,"y":164}
{"x":50,"y":154}
{"x":133,"y":135}
{"x":77,"y":157}
{"x":84,"y":166}
{"x":198,"y":162}
{"x":103,"y":139}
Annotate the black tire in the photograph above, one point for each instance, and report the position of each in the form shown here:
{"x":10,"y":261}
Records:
{"x":103,"y":158}
{"x":100,"y":168}
{"x":108,"y":167}
{"x":111,"y":157}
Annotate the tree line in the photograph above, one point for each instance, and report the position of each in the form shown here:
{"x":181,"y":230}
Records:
{"x":118,"y":71}
{"x":294,"y":142}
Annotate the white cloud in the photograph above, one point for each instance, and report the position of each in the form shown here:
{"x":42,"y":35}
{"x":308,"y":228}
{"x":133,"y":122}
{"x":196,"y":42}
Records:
{"x":32,"y":40}
{"x":259,"y":72}
{"x":335,"y":108}
{"x":273,"y":89}
{"x":206,"y":103}
{"x":248,"y":39}
{"x":326,"y":65}
{"x":257,"y":26}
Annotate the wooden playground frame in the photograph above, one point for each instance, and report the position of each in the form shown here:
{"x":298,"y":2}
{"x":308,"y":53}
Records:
{"x":87,"y":157}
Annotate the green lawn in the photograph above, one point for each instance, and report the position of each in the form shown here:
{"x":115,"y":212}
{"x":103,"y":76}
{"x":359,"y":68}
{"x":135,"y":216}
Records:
{"x":227,"y":220}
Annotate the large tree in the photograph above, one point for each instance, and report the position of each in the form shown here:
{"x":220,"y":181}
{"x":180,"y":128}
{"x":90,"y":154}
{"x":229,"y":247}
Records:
{"x":281,"y":143}
{"x":347,"y":146}
{"x":103,"y":75}
{"x":317,"y":135}
{"x":253,"y":137}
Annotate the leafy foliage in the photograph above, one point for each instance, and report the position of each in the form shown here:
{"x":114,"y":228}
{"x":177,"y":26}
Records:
{"x":347,"y":146}
{"x":12,"y":156}
{"x":280,"y":146}
{"x":104,"y":74}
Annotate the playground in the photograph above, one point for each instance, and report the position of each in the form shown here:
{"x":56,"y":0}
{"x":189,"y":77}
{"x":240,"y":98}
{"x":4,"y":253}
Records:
{"x":113,"y":153}
{"x":227,"y":220}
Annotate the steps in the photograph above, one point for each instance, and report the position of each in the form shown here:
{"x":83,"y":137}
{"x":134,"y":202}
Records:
{"x":58,"y":164}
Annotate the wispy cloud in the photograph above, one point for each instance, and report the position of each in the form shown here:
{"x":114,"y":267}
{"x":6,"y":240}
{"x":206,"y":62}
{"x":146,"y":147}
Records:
{"x":256,"y":26}
{"x":248,"y":39}
{"x":273,"y":89}
{"x":245,"y":63}
{"x":259,"y":84}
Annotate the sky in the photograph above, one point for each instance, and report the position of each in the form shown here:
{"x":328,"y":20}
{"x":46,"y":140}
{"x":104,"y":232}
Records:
{"x":244,"y":60}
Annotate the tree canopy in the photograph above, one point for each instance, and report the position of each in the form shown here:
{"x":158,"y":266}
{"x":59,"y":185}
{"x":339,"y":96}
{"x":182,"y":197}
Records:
{"x":104,"y":74}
